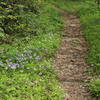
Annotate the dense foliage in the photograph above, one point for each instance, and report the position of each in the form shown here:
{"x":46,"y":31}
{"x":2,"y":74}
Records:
{"x":18,"y":16}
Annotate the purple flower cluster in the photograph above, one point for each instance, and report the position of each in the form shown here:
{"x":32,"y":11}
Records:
{"x":22,"y":59}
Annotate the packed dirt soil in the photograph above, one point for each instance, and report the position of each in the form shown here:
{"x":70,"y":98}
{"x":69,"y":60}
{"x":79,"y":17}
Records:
{"x":70,"y":60}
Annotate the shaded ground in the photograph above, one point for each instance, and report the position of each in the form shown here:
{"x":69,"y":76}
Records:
{"x":70,"y":60}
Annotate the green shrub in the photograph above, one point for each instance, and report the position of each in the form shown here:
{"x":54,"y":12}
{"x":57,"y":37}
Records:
{"x":16,"y":15}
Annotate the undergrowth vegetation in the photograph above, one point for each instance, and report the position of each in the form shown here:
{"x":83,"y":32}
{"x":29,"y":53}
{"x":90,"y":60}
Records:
{"x":18,"y":16}
{"x":30,"y":35}
{"x":89,"y":14}
{"x":28,"y":41}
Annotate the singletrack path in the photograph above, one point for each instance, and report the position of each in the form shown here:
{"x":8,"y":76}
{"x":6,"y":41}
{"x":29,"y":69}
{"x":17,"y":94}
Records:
{"x":70,"y":60}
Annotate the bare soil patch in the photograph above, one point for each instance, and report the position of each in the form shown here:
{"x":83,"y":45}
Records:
{"x":70,"y":60}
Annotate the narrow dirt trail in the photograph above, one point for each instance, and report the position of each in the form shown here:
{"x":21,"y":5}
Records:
{"x":70,"y":60}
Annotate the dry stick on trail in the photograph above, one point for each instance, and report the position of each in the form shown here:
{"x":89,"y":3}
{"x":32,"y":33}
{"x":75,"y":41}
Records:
{"x":70,"y":60}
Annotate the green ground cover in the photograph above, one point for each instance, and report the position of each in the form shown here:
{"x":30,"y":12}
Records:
{"x":26,"y":70}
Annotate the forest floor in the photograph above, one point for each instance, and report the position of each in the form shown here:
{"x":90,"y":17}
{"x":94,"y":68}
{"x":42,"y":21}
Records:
{"x":70,"y":59}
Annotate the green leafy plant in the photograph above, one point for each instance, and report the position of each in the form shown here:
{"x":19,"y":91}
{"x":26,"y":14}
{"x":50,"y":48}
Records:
{"x":95,"y":87}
